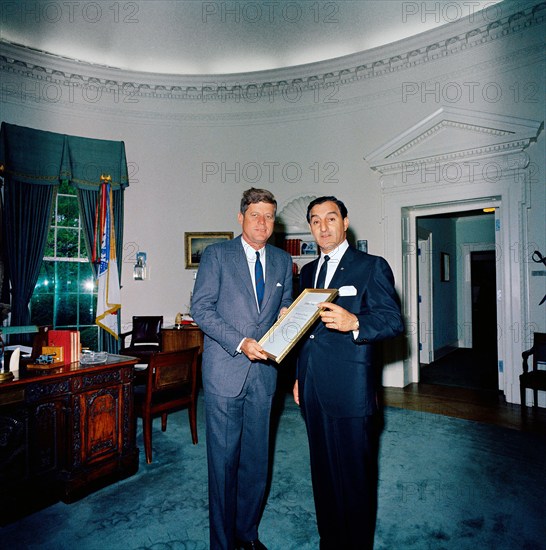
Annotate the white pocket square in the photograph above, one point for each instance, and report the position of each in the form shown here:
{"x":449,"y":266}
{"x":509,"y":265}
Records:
{"x":347,"y":291}
{"x":279,"y":284}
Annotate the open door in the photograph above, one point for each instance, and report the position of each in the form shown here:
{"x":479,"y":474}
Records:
{"x":424,"y":299}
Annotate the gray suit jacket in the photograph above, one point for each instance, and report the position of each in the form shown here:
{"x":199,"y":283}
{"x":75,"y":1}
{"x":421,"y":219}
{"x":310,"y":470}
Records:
{"x":224,"y":307}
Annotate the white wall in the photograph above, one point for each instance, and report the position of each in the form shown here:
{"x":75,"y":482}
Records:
{"x":319,"y":135}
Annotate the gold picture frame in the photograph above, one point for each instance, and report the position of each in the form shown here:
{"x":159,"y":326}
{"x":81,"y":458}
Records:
{"x":195,"y":244}
{"x":286,"y":332}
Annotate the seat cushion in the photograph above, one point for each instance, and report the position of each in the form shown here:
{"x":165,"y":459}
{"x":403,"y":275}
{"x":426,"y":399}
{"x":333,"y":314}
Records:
{"x":139,"y":392}
{"x":534,"y":379}
{"x":142,"y":348}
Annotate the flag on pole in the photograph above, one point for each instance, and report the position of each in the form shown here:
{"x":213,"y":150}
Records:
{"x":109,"y":293}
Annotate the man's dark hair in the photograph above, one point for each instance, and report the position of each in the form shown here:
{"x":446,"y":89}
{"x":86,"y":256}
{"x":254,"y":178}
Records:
{"x":253,"y":196}
{"x":320,"y":200}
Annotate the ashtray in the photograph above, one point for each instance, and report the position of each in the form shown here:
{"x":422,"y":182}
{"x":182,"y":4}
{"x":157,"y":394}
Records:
{"x":93,"y":357}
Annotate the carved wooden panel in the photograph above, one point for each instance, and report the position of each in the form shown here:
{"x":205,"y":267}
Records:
{"x":47,"y":427}
{"x":14,"y":462}
{"x":101,"y":423}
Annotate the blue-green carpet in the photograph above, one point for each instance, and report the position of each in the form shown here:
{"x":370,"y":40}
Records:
{"x":445,"y":483}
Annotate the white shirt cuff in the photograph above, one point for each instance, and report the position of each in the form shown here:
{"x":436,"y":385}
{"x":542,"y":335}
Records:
{"x":238,"y":350}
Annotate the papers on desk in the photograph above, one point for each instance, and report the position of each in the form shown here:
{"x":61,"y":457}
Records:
{"x":140,"y":366}
{"x":14,"y":360}
{"x":25,"y":350}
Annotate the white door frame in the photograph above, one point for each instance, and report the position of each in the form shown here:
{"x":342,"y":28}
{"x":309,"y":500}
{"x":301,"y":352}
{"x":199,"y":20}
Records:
{"x":453,"y":160}
{"x":425,"y":297}
{"x":400,"y":249}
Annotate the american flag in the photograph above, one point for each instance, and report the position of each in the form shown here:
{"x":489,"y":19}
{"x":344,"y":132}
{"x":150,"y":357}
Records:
{"x":109,"y":293}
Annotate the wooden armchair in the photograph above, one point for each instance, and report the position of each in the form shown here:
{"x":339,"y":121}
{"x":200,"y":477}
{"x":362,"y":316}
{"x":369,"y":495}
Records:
{"x":145,"y":338}
{"x":535,"y":378}
{"x":171,"y":384}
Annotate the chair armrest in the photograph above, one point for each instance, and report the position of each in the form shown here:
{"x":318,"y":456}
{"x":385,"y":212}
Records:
{"x":124,"y":335}
{"x":525,"y":356}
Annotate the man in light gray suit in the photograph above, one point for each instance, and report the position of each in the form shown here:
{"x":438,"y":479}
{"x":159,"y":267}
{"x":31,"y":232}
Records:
{"x":242,"y":286}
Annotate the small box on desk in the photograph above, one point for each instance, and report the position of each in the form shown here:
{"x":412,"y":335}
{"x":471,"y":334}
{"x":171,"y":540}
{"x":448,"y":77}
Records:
{"x":57,"y":353}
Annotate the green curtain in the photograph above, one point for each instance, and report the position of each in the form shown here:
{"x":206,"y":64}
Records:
{"x":31,"y":166}
{"x":4,"y":286}
{"x":33,"y":163}
{"x":86,"y":160}
{"x":31,"y":156}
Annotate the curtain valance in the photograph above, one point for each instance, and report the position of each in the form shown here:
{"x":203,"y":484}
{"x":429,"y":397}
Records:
{"x":31,"y":156}
{"x":86,"y":160}
{"x":45,"y":158}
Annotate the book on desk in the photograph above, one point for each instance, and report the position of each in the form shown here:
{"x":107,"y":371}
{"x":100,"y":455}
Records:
{"x":63,"y":347}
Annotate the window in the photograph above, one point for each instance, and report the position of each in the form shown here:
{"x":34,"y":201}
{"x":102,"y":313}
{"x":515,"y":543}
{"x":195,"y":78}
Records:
{"x":65,"y":294}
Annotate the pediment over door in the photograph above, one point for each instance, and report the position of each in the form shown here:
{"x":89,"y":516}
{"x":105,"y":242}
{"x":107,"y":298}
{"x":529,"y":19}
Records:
{"x":451,"y":140}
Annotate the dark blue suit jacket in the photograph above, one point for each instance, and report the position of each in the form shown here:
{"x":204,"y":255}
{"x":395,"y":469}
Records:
{"x":344,"y":368}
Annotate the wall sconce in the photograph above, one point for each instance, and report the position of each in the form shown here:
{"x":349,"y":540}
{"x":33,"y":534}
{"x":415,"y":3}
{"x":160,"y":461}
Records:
{"x":139,"y":270}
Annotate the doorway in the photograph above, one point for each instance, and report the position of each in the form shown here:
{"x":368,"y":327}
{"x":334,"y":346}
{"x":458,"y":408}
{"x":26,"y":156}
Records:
{"x":464,"y":334}
{"x":484,"y":311}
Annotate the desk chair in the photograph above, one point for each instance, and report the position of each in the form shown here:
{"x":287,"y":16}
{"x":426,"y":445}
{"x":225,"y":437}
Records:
{"x":536,"y":378}
{"x":145,"y":338}
{"x":171,"y":384}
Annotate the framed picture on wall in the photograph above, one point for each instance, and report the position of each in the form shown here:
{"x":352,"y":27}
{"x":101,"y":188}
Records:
{"x":308,"y":248}
{"x":444,"y":267}
{"x":195,"y":244}
{"x":362,"y":245}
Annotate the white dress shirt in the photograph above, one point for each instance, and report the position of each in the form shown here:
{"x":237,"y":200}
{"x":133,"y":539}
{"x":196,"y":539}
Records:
{"x":250,"y":254}
{"x":335,"y":257}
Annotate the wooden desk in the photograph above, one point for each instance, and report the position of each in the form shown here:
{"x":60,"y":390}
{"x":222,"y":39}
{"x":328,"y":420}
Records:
{"x":187,"y":336}
{"x":175,"y":339}
{"x":65,"y":432}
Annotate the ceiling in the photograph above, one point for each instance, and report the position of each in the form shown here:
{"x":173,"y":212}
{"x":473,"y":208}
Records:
{"x":221,"y":37}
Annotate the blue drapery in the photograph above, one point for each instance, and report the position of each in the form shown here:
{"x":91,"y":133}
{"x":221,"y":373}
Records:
{"x":33,"y":163}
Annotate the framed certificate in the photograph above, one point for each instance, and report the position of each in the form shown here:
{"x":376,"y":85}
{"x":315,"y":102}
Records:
{"x":286,"y":332}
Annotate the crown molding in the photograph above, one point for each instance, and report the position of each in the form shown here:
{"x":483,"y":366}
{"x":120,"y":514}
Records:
{"x":42,"y":94}
{"x":440,"y":43}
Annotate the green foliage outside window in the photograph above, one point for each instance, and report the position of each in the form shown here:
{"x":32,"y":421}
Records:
{"x":65,"y":295}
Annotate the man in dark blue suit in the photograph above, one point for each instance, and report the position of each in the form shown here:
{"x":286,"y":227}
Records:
{"x":241,"y":288}
{"x":338,"y":378}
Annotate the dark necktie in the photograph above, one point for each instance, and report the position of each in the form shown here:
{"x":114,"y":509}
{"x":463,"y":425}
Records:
{"x":321,"y":279}
{"x":259,"y":276}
